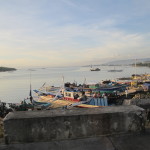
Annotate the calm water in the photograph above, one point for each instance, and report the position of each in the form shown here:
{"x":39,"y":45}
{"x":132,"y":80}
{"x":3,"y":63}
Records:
{"x":14,"y":86}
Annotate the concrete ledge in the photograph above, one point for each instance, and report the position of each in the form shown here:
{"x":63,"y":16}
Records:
{"x":79,"y":144}
{"x":144,"y":103}
{"x":117,"y":142}
{"x":49,"y":125}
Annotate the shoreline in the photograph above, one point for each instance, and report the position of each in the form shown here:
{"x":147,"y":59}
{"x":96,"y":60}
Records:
{"x":4,"y":69}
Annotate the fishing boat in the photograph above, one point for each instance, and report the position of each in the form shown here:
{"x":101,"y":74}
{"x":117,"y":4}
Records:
{"x":73,"y":98}
{"x":51,"y":95}
{"x":33,"y":103}
{"x":115,"y":70}
{"x":70,"y":94}
{"x":41,"y":105}
{"x":94,"y":69}
{"x":91,"y":101}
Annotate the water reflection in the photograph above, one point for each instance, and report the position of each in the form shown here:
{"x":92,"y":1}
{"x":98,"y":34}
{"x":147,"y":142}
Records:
{"x":15,"y":85}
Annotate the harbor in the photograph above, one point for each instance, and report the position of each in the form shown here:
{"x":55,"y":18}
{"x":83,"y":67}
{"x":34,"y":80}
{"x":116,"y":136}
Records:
{"x":128,"y":101}
{"x":101,"y":81}
{"x":16,"y":84}
{"x":101,"y":103}
{"x":74,"y":75}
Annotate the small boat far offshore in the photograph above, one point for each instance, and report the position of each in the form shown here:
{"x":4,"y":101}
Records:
{"x":115,"y":70}
{"x":95,"y":69}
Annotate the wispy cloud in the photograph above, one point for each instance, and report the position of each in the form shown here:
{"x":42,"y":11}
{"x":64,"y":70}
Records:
{"x":70,"y":3}
{"x":30,"y":34}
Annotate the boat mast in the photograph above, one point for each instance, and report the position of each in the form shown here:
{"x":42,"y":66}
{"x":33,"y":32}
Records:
{"x":135,"y":69}
{"x":91,"y":66}
{"x":30,"y":93}
{"x":84,"y":80}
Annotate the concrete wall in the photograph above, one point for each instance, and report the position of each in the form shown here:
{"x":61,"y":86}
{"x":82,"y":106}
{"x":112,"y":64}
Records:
{"x":49,"y":125}
{"x":144,"y":103}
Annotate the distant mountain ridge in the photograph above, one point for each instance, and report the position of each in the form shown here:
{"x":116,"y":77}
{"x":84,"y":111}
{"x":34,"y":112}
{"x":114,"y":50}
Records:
{"x":128,"y":61}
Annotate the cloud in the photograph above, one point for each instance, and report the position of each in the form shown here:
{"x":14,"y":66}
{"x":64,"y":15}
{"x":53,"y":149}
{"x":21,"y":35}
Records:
{"x":61,"y":47}
{"x":49,"y":33}
{"x":70,"y":3}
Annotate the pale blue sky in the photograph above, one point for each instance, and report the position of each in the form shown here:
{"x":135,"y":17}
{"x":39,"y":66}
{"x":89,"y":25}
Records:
{"x":73,"y":32}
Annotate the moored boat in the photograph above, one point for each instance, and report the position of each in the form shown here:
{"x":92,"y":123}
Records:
{"x":75,"y":98}
{"x":95,"y":69}
{"x":115,"y":70}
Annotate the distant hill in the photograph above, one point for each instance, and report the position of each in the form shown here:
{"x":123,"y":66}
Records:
{"x":3,"y":69}
{"x":128,"y":61}
{"x":145,"y":64}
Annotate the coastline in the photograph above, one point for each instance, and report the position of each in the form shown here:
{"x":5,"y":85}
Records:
{"x":4,"y":69}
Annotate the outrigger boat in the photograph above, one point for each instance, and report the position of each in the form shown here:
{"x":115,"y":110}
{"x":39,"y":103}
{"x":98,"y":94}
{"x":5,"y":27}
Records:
{"x":90,"y":102}
{"x":67,"y":94}
{"x":69,"y":99}
{"x":24,"y":106}
{"x":41,"y":105}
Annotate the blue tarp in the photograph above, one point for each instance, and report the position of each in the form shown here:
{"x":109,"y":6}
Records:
{"x":98,"y":101}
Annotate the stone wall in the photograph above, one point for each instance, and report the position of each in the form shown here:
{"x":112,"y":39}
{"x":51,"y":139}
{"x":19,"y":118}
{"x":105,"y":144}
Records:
{"x":60,"y":124}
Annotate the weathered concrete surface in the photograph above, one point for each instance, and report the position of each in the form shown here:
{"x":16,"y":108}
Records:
{"x":132,"y":142}
{"x":96,"y":143}
{"x":49,"y":125}
{"x":144,"y":103}
{"x":115,"y":142}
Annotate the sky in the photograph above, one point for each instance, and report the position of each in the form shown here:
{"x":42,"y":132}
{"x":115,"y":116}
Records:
{"x":73,"y":32}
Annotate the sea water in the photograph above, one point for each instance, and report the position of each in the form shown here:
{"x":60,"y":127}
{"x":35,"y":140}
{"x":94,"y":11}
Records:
{"x":15,"y":86}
